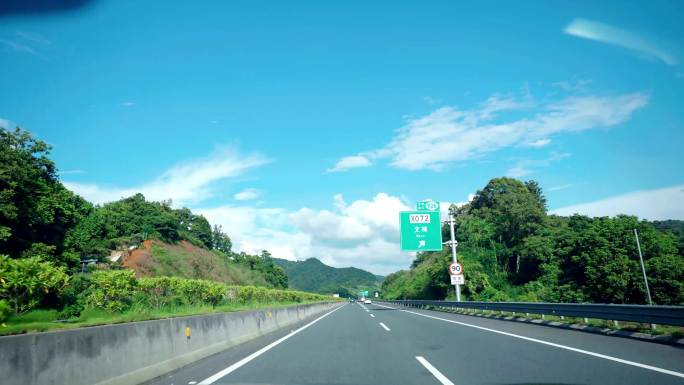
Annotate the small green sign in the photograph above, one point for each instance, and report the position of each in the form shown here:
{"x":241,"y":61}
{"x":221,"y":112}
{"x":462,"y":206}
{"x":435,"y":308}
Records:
{"x":427,"y":206}
{"x":420,"y":231}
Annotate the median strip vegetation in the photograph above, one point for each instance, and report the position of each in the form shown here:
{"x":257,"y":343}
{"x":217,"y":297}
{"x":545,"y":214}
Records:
{"x":115,"y":296}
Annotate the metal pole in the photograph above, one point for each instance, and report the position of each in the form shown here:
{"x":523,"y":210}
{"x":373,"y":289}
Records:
{"x":453,"y":254}
{"x":643,"y":269}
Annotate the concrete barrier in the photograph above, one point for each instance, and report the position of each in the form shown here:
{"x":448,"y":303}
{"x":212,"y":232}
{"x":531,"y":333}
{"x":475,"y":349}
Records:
{"x":135,"y":352}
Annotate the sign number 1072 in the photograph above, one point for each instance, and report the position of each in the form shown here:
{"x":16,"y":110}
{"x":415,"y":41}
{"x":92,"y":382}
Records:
{"x":419,"y":218}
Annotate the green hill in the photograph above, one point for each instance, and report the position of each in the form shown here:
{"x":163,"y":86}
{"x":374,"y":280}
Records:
{"x":313,"y":275}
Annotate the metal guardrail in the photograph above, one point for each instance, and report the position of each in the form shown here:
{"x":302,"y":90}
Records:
{"x":661,"y":315}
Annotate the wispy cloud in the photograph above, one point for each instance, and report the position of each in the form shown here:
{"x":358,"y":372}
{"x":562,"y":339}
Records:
{"x":539,"y":142}
{"x":33,"y":37}
{"x":658,"y":204}
{"x":604,"y":33}
{"x":561,"y":187}
{"x":184,"y":183}
{"x":4,"y":123}
{"x":524,"y":167}
{"x":128,"y":104}
{"x":24,"y":42}
{"x":247,"y":194}
{"x":18,"y":47}
{"x":448,"y":135}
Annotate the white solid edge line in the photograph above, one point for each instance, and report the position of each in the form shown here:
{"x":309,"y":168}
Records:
{"x":599,"y":355}
{"x":384,"y":326}
{"x":237,"y":365}
{"x":438,"y":375}
{"x":372,"y":315}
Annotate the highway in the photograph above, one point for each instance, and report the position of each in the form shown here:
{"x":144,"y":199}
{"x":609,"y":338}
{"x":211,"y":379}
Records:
{"x":378,"y":344}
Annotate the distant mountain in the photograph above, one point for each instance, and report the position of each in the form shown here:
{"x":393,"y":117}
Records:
{"x":313,"y":275}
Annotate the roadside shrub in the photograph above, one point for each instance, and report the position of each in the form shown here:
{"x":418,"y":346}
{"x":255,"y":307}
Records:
{"x":24,"y":282}
{"x":5,"y":310}
{"x":116,"y":291}
{"x":157,"y":291}
{"x":112,"y":290}
{"x":198,"y":291}
{"x":74,"y":295}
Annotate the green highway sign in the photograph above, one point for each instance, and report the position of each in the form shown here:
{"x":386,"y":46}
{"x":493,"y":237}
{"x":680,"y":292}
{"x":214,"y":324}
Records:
{"x":427,"y":206}
{"x":420,"y":231}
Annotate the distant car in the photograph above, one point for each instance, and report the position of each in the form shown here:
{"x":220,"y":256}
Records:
{"x":351,"y":299}
{"x":367,"y":302}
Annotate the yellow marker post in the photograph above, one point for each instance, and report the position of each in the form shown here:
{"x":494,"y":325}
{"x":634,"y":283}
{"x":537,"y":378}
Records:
{"x":187,"y":332}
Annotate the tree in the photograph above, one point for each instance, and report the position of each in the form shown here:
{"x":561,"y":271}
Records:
{"x":195,"y":227}
{"x":666,"y":279}
{"x":34,"y":206}
{"x":220,"y":241}
{"x":514,"y":210}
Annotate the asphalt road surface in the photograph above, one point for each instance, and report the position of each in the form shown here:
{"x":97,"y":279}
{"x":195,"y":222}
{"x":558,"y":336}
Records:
{"x":378,"y":344}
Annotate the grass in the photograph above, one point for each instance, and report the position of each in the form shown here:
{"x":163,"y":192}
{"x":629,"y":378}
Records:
{"x":665,"y":330}
{"x":45,"y":320}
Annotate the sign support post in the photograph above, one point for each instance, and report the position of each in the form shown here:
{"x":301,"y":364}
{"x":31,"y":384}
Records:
{"x":453,"y":254}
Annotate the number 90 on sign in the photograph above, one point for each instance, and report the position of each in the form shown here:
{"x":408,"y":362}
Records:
{"x":455,"y":269}
{"x":419,"y":218}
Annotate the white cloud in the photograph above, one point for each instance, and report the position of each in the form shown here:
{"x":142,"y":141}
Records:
{"x":355,"y":223}
{"x":659,"y":204}
{"x":349,"y":162}
{"x":254,"y":229}
{"x":247,"y":194}
{"x":4,"y":123}
{"x":363,"y":233}
{"x":608,"y":34}
{"x":184,"y":183}
{"x":539,"y":143}
{"x":449,"y":135}
{"x":128,"y":104}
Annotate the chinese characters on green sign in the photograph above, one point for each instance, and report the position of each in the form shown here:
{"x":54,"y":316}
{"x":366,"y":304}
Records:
{"x":420,"y":231}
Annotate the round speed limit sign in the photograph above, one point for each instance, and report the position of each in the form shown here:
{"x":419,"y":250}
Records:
{"x":455,"y":268}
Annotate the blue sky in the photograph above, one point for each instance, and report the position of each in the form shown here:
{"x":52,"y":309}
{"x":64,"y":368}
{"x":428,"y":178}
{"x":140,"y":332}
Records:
{"x":303,"y":127}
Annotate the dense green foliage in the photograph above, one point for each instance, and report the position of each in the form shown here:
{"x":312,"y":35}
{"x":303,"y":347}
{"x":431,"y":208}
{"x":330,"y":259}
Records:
{"x":40,"y":217}
{"x":314,"y":275}
{"x":46,"y":231}
{"x":674,"y":227}
{"x":24,"y":282}
{"x":512,"y":250}
{"x":36,"y":210}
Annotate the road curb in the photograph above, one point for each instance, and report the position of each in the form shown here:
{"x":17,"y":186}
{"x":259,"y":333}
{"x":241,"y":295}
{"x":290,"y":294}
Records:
{"x":666,"y":340}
